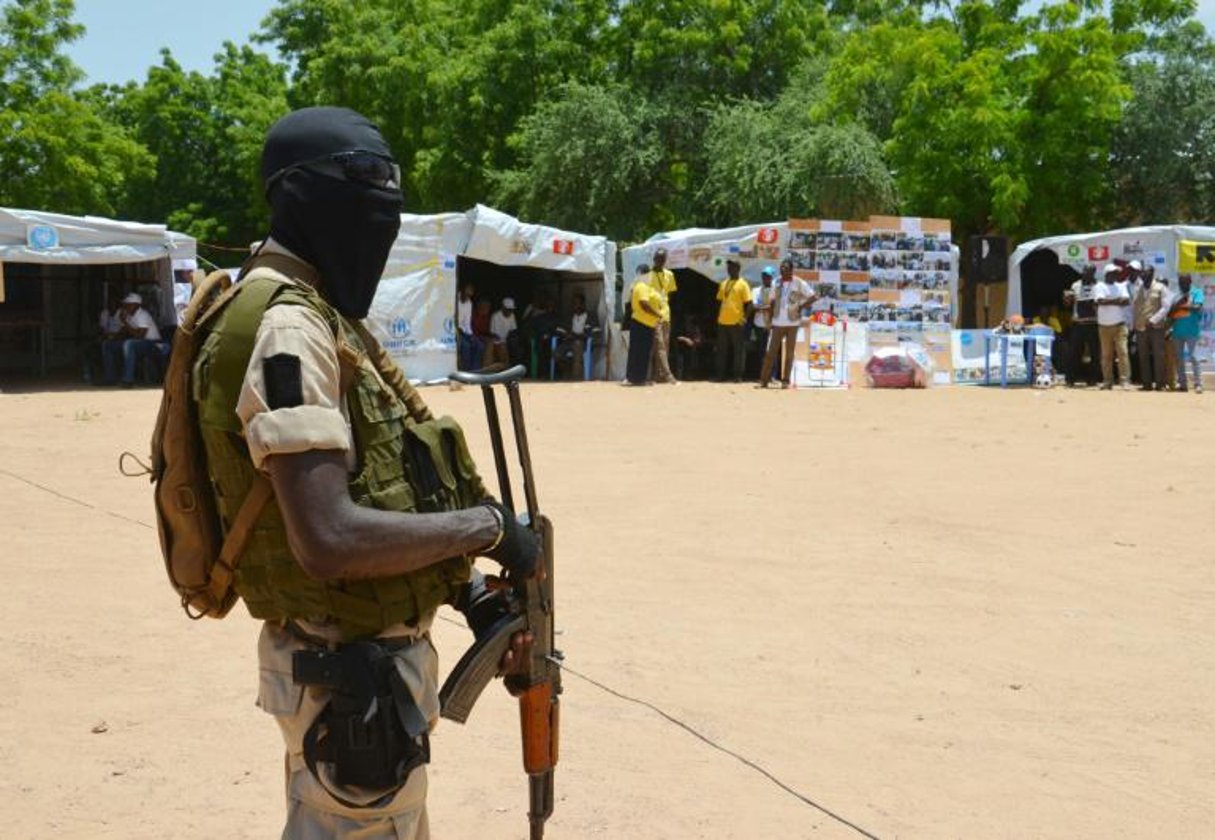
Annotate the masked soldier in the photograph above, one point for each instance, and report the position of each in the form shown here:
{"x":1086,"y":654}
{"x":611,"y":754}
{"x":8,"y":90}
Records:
{"x":374,"y":508}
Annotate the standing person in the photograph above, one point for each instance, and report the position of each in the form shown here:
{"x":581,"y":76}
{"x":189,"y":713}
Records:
{"x":1083,"y":336}
{"x":1151,"y":326}
{"x":470,"y":347}
{"x":1186,"y":317}
{"x":342,"y":554}
{"x":761,"y":320}
{"x":1112,"y":300}
{"x":136,"y":339}
{"x":644,"y":304}
{"x":661,"y":281}
{"x":790,"y":296}
{"x":734,"y":295}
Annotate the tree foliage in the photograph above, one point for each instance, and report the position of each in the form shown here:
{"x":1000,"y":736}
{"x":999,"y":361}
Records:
{"x":58,"y":153}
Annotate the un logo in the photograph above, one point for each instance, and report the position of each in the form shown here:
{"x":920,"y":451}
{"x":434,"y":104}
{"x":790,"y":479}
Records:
{"x":400,"y":328}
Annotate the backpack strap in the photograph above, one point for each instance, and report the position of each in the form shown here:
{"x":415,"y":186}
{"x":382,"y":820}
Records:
{"x":223,"y":573}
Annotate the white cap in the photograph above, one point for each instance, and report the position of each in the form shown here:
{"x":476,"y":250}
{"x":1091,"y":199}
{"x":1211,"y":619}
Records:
{"x":1136,"y":265}
{"x":1110,"y":268}
{"x":508,"y":303}
{"x":132,"y":298}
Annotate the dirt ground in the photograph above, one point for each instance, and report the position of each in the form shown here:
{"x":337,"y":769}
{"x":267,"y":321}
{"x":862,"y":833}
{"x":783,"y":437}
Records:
{"x":961,"y":613}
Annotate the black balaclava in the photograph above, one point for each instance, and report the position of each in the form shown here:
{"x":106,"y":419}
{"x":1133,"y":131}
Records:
{"x":345,"y":229}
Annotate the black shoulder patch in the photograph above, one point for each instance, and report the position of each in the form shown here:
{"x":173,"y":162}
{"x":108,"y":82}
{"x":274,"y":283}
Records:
{"x":283,"y":386}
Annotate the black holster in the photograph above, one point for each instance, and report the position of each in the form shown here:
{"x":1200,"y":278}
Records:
{"x":371,"y":730}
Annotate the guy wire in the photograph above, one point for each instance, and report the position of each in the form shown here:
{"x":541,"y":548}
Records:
{"x":601,"y":686}
{"x":707,"y":740}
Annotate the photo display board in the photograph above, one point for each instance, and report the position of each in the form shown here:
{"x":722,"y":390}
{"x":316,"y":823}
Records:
{"x":889,"y":277}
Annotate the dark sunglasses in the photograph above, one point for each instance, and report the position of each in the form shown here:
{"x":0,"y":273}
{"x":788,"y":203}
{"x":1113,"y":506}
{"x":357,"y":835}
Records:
{"x":363,"y":167}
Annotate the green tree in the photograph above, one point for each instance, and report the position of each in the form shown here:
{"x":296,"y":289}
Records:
{"x":59,"y":153}
{"x":775,"y":160}
{"x":996,"y":119}
{"x":447,"y":80}
{"x":1163,"y":155}
{"x":590,"y":158}
{"x":206,"y":133}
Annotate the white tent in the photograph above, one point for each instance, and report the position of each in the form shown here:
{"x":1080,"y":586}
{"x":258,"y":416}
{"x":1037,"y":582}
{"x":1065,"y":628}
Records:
{"x":52,"y":249}
{"x":1157,"y":245}
{"x":704,"y":250}
{"x":414,"y":309}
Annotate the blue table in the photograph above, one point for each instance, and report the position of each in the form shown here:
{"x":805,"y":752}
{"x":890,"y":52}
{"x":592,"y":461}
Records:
{"x":1029,"y":341}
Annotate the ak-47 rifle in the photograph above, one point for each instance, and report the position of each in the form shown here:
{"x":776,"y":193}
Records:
{"x":515,"y":606}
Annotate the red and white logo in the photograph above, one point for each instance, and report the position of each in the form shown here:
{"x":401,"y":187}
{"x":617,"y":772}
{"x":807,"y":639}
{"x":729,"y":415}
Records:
{"x":563,"y":246}
{"x":767,"y":236}
{"x":1098,"y":253}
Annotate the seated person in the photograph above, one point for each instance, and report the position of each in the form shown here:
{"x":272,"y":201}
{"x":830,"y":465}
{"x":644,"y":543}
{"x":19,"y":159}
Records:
{"x":137,"y":338}
{"x":574,"y":335}
{"x":540,"y":323}
{"x":481,"y":319}
{"x":503,"y":347}
{"x":108,"y":327}
{"x":692,"y":348}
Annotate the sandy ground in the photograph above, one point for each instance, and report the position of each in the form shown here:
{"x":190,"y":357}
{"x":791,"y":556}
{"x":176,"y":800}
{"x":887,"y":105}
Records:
{"x":962,"y":613}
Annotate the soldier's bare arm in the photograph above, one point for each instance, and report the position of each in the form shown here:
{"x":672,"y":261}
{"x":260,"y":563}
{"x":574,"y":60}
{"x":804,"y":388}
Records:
{"x":333,"y":538}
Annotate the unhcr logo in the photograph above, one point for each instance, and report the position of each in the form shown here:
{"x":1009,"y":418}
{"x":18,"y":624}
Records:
{"x":400,"y":328}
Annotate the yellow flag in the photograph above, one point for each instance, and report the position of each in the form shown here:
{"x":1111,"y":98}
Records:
{"x":1198,"y":257}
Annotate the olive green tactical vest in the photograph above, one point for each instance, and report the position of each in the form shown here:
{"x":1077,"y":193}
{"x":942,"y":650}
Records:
{"x":404,"y":463}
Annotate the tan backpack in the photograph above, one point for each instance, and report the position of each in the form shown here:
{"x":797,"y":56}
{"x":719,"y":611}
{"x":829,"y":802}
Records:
{"x":200,"y":559}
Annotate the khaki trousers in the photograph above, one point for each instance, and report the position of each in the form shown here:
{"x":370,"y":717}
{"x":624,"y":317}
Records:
{"x":787,"y":335}
{"x":1113,"y":342}
{"x":660,"y":357}
{"x":312,"y":814}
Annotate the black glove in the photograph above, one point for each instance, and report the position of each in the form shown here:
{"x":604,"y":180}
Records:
{"x":519,"y":549}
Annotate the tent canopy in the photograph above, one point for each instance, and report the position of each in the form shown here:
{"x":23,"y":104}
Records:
{"x":413,"y":314}
{"x":704,"y":250}
{"x":1046,"y":260}
{"x":33,"y":236}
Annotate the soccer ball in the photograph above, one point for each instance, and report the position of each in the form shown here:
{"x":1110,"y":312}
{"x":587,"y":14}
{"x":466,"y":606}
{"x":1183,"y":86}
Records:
{"x":1043,"y":380}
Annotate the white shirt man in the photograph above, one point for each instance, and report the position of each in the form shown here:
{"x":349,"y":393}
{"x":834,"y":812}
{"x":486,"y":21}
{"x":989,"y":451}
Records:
{"x":578,"y":323}
{"x":503,"y":322}
{"x":1113,"y":297}
{"x":789,"y":297}
{"x":1111,"y":289}
{"x":464,"y":308}
{"x":137,"y":319}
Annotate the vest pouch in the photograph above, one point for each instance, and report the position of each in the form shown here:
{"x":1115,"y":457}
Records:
{"x":470,"y":491}
{"x":426,"y":458}
{"x":379,"y":420}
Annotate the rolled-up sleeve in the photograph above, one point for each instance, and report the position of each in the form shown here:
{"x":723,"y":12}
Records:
{"x":318,"y":421}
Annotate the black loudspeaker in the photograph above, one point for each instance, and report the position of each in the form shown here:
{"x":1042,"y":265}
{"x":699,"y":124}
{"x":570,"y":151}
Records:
{"x":988,"y":259}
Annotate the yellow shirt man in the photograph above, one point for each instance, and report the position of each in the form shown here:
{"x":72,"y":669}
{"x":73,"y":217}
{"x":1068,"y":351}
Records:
{"x":662,"y":282}
{"x":643,"y":292}
{"x":735,"y":295}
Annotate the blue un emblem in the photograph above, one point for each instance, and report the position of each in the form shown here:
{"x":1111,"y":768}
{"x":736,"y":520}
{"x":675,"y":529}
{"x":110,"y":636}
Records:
{"x":400,"y":328}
